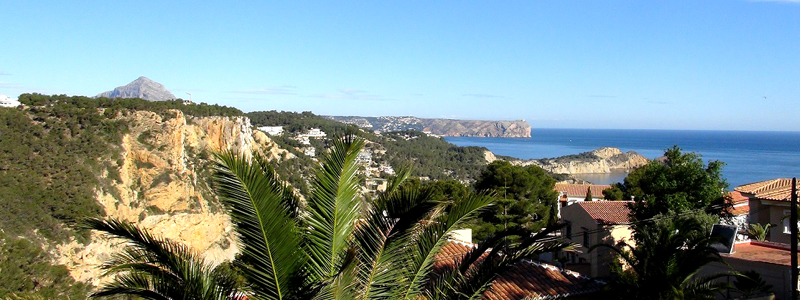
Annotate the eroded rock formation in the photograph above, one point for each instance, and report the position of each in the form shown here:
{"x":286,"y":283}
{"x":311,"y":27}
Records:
{"x":161,"y":183}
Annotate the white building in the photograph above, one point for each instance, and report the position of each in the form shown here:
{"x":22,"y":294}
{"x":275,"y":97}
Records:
{"x":271,"y":130}
{"x":5,"y":101}
{"x":364,"y":157}
{"x":310,"y":151}
{"x":315,"y":133}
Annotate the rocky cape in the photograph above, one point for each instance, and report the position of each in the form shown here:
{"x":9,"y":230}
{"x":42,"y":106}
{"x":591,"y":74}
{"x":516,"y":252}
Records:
{"x":602,"y":160}
{"x":163,"y":186}
{"x":442,"y":127}
{"x":143,"y":88}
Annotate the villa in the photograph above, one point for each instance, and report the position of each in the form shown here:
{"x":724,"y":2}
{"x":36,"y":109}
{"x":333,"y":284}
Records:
{"x":5,"y":101}
{"x":595,"y":222}
{"x":768,"y":203}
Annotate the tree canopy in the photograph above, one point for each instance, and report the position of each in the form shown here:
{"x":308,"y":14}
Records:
{"x":525,"y":198}
{"x":681,"y":182}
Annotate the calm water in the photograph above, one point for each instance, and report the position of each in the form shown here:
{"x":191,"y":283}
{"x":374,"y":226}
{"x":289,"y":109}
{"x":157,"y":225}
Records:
{"x":750,"y":156}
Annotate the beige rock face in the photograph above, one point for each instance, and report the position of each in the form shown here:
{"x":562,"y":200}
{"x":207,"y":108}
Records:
{"x":602,"y":160}
{"x":163,"y":186}
{"x":489,"y":156}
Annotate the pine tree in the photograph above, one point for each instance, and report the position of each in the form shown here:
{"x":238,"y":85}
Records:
{"x":588,"y":194}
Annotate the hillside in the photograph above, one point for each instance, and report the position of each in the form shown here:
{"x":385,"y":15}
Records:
{"x":441,"y":127}
{"x":429,"y":157}
{"x":142,"y":88}
{"x":66,"y":158}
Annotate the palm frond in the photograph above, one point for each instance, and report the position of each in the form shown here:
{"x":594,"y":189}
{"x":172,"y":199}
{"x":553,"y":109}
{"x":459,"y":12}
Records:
{"x":479,"y":267}
{"x":333,"y":207}
{"x":156,"y":268}
{"x":264,"y":213}
{"x":383,"y":237}
{"x":433,"y":236}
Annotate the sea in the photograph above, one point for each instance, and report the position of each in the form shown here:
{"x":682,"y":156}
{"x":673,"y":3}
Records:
{"x":750,"y":156}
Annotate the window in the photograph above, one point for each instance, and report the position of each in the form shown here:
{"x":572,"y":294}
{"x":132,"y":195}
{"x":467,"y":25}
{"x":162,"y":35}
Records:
{"x":786,"y":218}
{"x":569,"y":230}
{"x":586,"y":239}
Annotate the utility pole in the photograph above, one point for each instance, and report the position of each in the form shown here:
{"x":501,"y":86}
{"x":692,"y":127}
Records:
{"x":190,"y":96}
{"x":793,"y":233}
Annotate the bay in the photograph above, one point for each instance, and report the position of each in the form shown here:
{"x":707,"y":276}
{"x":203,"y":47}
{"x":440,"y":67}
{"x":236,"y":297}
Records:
{"x":750,"y":156}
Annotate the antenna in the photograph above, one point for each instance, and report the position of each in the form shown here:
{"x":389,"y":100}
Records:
{"x":190,"y":96}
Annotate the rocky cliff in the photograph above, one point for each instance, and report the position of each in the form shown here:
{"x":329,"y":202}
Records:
{"x":442,"y":127}
{"x":162,"y":184}
{"x":143,"y":88}
{"x":602,"y":160}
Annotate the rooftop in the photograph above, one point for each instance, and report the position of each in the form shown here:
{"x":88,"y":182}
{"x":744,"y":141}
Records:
{"x":607,"y":212}
{"x":579,"y":190}
{"x":526,"y":280}
{"x":740,"y":203}
{"x":776,"y":189}
{"x":765,"y":252}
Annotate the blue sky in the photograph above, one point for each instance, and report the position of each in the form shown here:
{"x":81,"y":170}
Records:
{"x":731,"y":64}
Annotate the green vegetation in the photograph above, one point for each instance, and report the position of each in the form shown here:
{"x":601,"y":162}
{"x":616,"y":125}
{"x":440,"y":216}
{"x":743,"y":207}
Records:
{"x":313,"y":249}
{"x":588,"y":194}
{"x":430,"y":157}
{"x":25,"y":271}
{"x":758,"y":232}
{"x":613,"y":193}
{"x":118,"y":105}
{"x":525,"y":201}
{"x":680,"y":183}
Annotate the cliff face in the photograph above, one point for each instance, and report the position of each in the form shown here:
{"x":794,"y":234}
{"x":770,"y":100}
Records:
{"x":477,"y":128}
{"x":162,"y":184}
{"x":602,"y":160}
{"x":443,"y":127}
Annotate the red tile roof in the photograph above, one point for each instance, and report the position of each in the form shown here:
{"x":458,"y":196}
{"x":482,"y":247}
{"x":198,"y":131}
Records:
{"x":525,"y":280}
{"x":740,"y":203}
{"x":776,"y":189}
{"x":579,"y":190}
{"x":607,"y":212}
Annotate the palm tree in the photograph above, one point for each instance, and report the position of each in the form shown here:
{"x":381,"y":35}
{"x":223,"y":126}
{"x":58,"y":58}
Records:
{"x":154,"y":268}
{"x":665,"y":262}
{"x":758,"y":232}
{"x":333,"y":244}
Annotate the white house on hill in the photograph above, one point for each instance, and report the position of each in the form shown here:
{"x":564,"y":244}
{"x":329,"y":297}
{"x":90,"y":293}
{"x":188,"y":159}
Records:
{"x":5,"y":101}
{"x":271,"y":130}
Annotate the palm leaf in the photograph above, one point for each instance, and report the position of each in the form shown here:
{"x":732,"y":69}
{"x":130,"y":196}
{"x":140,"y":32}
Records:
{"x":156,"y":268}
{"x":264,"y":214}
{"x":333,"y":207}
{"x":384,"y":236}
{"x":432,"y":237}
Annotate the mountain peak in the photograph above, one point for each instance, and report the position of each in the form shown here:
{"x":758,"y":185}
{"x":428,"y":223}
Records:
{"x":142,"y":87}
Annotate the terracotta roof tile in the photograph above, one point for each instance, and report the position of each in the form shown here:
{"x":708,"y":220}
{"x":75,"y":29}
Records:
{"x":607,"y":212}
{"x":766,"y":252}
{"x":525,"y":280}
{"x":776,"y":189}
{"x":579,"y":190}
{"x":740,"y":203}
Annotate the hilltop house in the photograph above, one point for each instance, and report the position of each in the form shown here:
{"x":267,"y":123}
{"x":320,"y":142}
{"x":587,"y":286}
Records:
{"x":768,"y":202}
{"x":271,"y":130}
{"x":5,"y":101}
{"x":315,"y":133}
{"x":592,"y":223}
